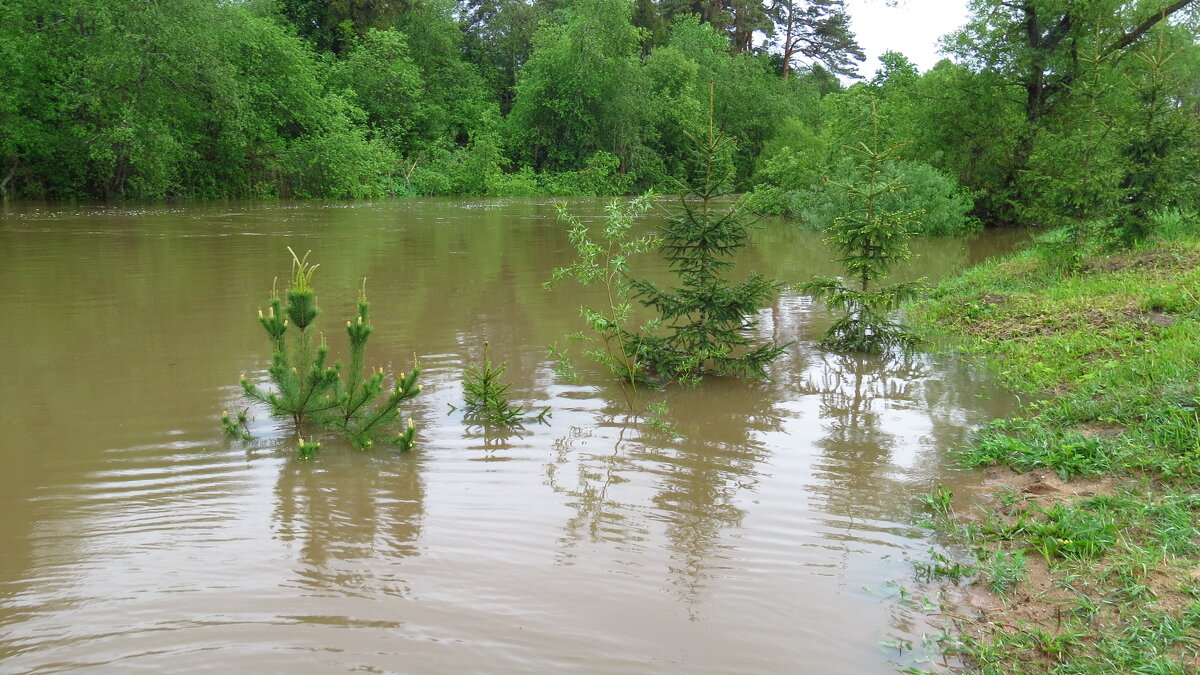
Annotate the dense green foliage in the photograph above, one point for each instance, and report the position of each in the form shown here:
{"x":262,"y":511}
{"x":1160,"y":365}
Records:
{"x":1077,"y":115}
{"x":304,"y":98}
{"x":1064,"y":115}
{"x":307,"y":390}
{"x":1088,"y":86}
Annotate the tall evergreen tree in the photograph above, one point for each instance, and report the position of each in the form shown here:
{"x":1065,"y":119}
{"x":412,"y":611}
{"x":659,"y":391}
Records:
{"x":1072,"y":183}
{"x":871,"y":241}
{"x":747,"y":18}
{"x":648,"y":17}
{"x":704,"y":320}
{"x":817,"y":30}
{"x":333,"y":25}
{"x":1158,"y":129}
{"x":498,"y":39}
{"x":738,"y":20}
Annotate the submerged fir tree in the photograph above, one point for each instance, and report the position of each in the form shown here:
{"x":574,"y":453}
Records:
{"x":308,"y":390}
{"x":703,"y":322}
{"x":485,"y":396}
{"x":871,"y":240}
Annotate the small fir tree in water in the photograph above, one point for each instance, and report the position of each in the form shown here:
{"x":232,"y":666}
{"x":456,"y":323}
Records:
{"x":703,"y":322}
{"x":871,"y":242}
{"x":307,"y":390}
{"x":485,"y":396}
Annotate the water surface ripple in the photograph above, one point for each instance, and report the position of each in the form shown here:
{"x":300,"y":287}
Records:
{"x":137,"y":537}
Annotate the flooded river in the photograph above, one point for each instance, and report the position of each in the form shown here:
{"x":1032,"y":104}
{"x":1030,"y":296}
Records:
{"x":136,"y":537}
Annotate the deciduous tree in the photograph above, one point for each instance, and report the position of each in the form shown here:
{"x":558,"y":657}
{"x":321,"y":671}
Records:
{"x":1034,"y":46}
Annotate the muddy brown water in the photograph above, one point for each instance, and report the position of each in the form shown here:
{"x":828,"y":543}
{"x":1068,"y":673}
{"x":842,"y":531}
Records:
{"x":134,"y":536}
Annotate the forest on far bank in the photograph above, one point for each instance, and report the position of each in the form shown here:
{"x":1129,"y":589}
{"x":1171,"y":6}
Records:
{"x":1046,"y":112}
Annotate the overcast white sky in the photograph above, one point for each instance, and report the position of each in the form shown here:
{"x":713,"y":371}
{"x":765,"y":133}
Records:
{"x":911,"y":28}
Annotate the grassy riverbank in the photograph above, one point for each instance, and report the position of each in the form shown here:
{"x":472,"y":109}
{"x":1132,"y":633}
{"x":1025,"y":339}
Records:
{"x":1087,"y":556}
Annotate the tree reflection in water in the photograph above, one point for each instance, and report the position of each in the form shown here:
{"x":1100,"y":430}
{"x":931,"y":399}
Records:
{"x":690,"y":484}
{"x":340,"y":512}
{"x":888,"y":423}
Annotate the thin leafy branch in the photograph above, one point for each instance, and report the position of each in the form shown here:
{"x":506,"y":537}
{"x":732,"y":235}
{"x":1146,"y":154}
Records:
{"x":604,"y":260}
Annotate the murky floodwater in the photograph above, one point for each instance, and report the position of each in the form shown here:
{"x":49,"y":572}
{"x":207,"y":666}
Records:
{"x":135,"y":536}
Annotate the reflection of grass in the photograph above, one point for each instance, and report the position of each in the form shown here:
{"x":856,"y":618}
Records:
{"x":1096,"y":574}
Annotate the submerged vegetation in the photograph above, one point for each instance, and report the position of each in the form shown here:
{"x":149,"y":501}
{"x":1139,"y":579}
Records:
{"x":604,"y":260}
{"x":701,"y":325}
{"x":697,"y":328}
{"x":1077,"y":117}
{"x":355,"y":403}
{"x":485,"y":396}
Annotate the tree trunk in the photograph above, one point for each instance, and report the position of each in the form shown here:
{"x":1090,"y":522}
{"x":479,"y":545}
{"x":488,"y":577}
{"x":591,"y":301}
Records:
{"x":789,"y":47}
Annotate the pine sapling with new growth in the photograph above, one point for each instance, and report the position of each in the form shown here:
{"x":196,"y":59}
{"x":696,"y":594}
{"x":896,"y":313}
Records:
{"x":362,"y":416}
{"x":485,"y":396}
{"x":236,"y":429}
{"x":703,"y":323}
{"x":305,"y":386}
{"x":871,"y":242}
{"x":307,"y":449}
{"x":306,"y":389}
